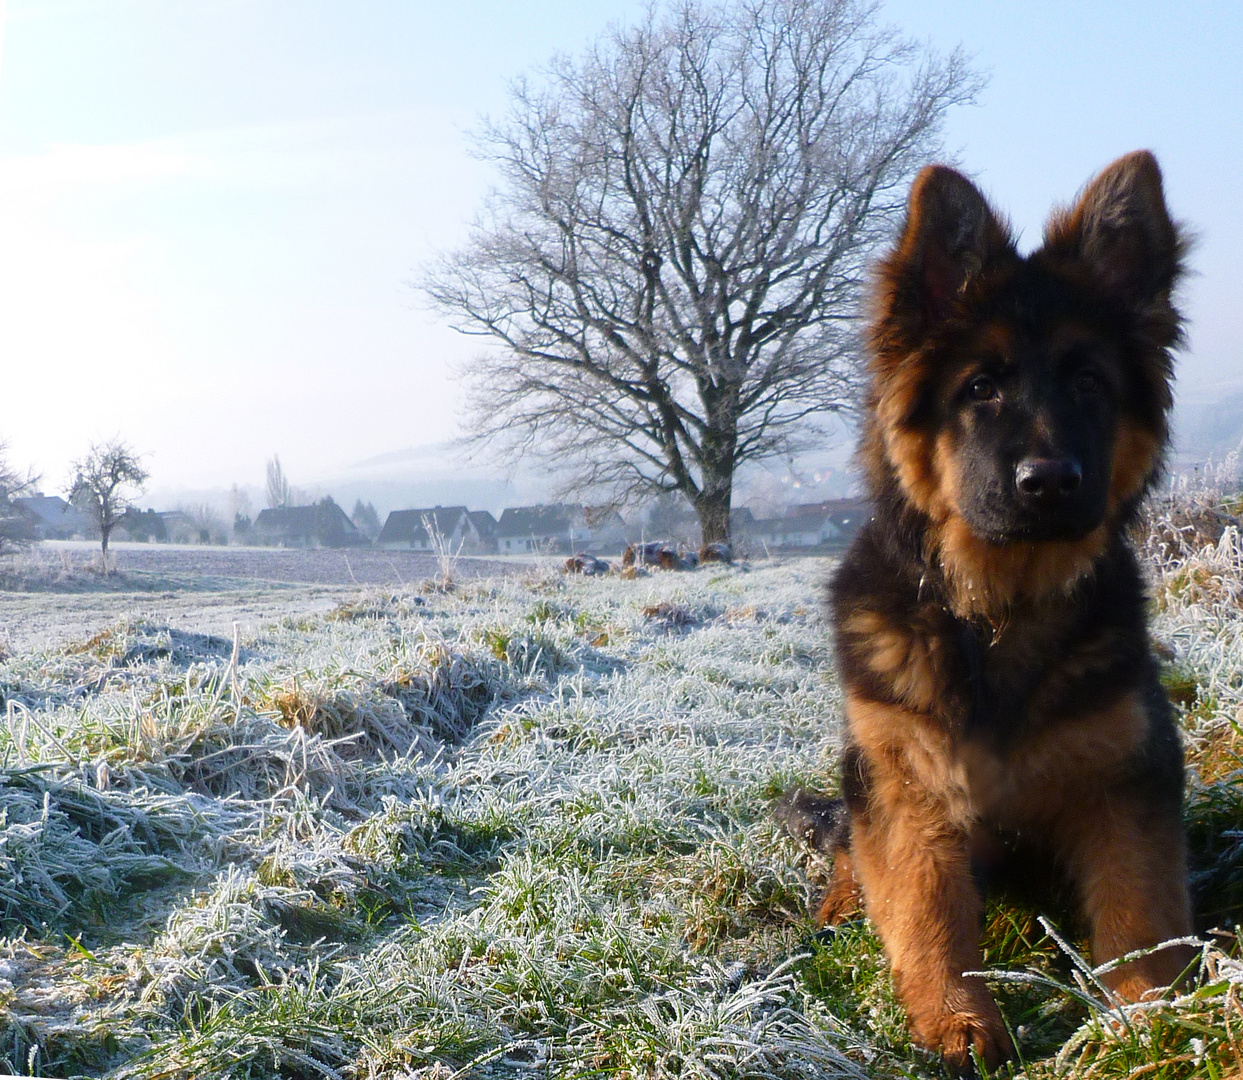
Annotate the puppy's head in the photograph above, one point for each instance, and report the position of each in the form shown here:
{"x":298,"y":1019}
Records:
{"x":1018,"y":399}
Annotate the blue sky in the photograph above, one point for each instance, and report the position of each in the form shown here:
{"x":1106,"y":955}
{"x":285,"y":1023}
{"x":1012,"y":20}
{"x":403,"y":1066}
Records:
{"x":210,"y":209}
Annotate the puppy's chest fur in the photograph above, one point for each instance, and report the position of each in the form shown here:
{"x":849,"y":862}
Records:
{"x":995,"y":718}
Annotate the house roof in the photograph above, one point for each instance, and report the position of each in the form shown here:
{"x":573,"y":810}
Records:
{"x":485,"y":523}
{"x":408,"y":525}
{"x":831,"y":508}
{"x":324,"y":521}
{"x":51,"y":512}
{"x":49,"y":509}
{"x":289,"y":520}
{"x":551,"y":520}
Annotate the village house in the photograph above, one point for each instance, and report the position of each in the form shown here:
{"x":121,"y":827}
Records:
{"x":485,"y":528}
{"x":52,"y":518}
{"x":322,"y":524}
{"x":849,"y":516}
{"x":829,"y":524}
{"x":806,"y":525}
{"x":468,"y":531}
{"x":559,"y":527}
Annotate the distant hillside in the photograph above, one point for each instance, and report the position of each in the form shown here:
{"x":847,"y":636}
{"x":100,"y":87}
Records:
{"x":400,"y":480}
{"x":433,"y":474}
{"x":1208,"y":423}
{"x":428,"y":475}
{"x":437,"y":473}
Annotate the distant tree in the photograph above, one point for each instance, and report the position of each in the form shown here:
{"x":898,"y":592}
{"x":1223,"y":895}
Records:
{"x":206,"y":524}
{"x":669,"y":517}
{"x":768,"y":493}
{"x":104,"y":483}
{"x":239,"y":511}
{"x":239,"y":503}
{"x":366,"y":518}
{"x":16,"y":529}
{"x":672,"y":263}
{"x":242,"y":528}
{"x":278,"y":490}
{"x":144,"y":527}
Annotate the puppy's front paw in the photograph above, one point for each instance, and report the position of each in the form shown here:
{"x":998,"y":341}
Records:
{"x":956,"y":1035}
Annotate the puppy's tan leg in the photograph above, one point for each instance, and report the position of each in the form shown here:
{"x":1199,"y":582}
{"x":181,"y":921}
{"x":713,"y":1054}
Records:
{"x":916,"y":879}
{"x":844,"y":900}
{"x":1129,"y":864}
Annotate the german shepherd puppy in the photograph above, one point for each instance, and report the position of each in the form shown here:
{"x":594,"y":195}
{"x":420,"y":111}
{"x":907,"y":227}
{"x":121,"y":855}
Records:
{"x":1002,"y":699}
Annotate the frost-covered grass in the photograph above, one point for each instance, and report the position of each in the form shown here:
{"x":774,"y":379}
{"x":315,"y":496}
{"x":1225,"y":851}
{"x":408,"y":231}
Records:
{"x":514,"y":828}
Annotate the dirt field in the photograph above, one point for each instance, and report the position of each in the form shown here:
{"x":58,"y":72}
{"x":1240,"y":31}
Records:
{"x":355,"y":566}
{"x":53,"y":597}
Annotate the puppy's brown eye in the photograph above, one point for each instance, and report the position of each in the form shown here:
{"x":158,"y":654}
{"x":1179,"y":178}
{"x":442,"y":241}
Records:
{"x":1087,"y":382}
{"x":982,"y":389}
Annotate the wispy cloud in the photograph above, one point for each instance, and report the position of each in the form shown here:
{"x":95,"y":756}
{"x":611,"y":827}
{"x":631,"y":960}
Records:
{"x":328,"y":152}
{"x":65,"y":168}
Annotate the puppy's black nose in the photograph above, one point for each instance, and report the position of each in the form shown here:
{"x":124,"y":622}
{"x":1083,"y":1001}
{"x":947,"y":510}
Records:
{"x":1046,"y":481}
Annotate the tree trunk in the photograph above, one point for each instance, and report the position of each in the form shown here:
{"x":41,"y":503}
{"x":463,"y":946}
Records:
{"x":712,"y":506}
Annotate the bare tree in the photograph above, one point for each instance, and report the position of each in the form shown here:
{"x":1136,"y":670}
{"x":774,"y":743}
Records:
{"x":16,"y":528}
{"x":239,"y":503}
{"x":279,"y":492}
{"x":206,"y":524}
{"x":239,"y":512}
{"x":104,"y":483}
{"x":672,"y":263}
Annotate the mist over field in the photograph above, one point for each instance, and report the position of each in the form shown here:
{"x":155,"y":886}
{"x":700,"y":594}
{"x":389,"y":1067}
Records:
{"x":1208,"y":428}
{"x":439,"y":474}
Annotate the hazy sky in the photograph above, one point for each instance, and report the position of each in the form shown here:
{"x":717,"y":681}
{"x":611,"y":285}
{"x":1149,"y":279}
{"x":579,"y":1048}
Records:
{"x":210,"y":209}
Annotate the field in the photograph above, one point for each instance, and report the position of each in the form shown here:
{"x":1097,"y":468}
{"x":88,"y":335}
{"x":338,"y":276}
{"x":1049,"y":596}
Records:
{"x":198,"y":588}
{"x":507,"y":825}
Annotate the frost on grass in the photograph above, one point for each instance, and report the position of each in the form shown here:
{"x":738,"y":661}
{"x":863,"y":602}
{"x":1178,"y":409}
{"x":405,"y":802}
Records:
{"x":517,"y":825}
{"x":514,"y":828}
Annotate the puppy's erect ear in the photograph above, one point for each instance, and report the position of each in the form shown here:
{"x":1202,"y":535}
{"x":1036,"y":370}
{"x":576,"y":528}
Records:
{"x":949,"y":237}
{"x":1121,"y":231}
